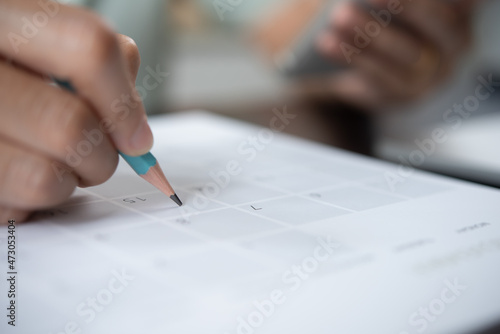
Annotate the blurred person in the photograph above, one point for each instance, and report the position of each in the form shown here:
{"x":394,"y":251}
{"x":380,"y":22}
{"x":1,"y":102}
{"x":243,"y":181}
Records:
{"x":397,"y":51}
{"x":354,"y":61}
{"x":386,"y":51}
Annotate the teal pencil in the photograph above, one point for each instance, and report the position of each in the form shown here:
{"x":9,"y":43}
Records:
{"x":146,"y":166}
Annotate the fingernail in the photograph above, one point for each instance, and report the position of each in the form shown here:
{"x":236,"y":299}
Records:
{"x":142,"y":139}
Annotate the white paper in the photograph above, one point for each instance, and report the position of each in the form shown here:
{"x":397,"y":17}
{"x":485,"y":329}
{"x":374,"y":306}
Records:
{"x":302,"y":238}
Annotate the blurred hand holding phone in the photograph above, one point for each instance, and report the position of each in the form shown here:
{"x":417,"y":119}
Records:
{"x":370,"y":54}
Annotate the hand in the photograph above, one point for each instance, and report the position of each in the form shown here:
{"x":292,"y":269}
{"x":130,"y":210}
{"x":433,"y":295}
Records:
{"x":52,"y":140}
{"x":395,"y":50}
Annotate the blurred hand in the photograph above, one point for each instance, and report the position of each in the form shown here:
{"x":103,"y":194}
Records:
{"x":52,"y":140}
{"x":395,"y":50}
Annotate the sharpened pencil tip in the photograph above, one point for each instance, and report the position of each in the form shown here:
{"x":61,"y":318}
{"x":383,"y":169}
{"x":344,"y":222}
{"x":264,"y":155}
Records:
{"x":176,"y":199}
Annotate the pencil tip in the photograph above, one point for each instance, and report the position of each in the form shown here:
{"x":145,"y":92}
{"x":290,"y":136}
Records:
{"x":176,"y":199}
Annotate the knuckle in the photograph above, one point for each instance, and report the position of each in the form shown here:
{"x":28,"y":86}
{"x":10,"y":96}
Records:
{"x":48,"y":190}
{"x":40,"y":183}
{"x":72,"y":118}
{"x":43,"y":187}
{"x":103,"y":47}
{"x":28,"y":181}
{"x":99,"y":44}
{"x":104,"y":173}
{"x":109,"y":170}
{"x":33,"y":180}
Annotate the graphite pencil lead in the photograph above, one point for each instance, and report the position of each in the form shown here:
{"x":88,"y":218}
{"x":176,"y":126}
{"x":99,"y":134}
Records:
{"x":176,"y":199}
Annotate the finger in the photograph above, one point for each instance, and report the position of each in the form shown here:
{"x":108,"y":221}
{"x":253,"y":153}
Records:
{"x":73,"y":44}
{"x":355,"y":32}
{"x":389,"y":57}
{"x":12,"y":63}
{"x":127,"y":46}
{"x":439,"y":22}
{"x":17,"y":215}
{"x":374,"y":68}
{"x":370,"y":85}
{"x":55,"y":123}
{"x":336,"y":42}
{"x":400,"y":83}
{"x":131,"y":54}
{"x":28,"y":180}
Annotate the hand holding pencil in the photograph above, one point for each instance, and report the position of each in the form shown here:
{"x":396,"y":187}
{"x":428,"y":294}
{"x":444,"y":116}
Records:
{"x":48,"y":136}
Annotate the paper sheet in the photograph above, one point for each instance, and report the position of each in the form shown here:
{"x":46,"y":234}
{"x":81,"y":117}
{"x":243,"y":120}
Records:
{"x":278,"y":235}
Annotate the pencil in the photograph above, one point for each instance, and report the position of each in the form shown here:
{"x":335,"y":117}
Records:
{"x":146,"y":166}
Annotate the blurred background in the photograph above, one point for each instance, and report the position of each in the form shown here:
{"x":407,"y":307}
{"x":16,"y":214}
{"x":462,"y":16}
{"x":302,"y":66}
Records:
{"x":242,"y":58}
